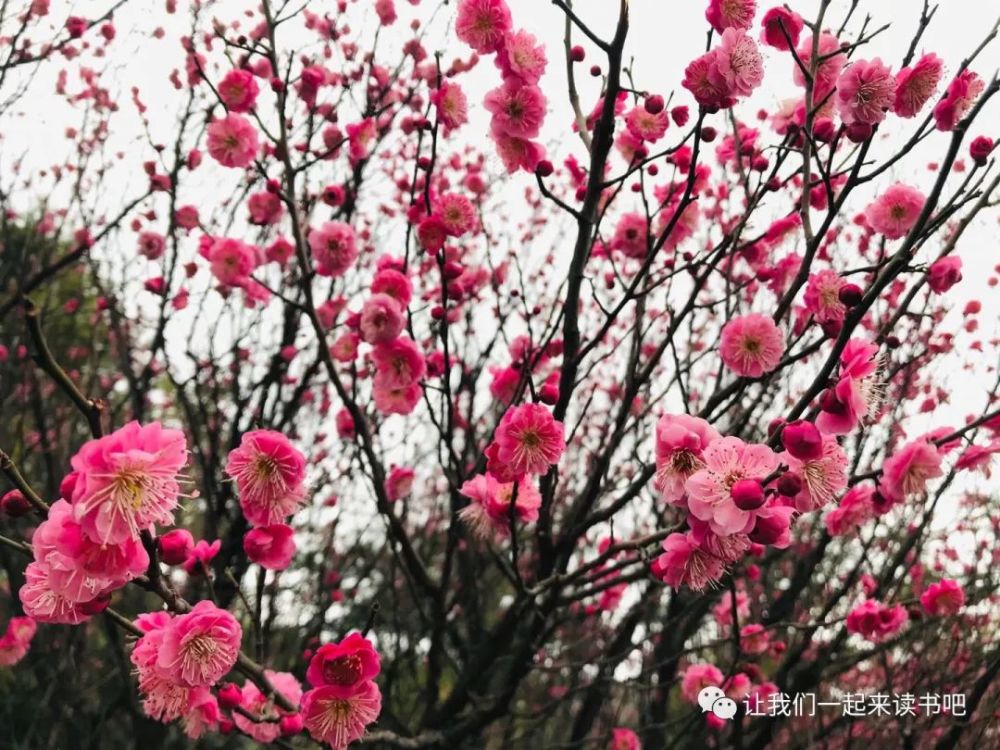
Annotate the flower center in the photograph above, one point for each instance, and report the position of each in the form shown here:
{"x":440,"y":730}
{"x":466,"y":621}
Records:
{"x":344,"y":670}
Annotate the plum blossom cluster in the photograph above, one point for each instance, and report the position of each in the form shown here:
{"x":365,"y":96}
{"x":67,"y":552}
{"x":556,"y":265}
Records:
{"x":121,"y":485}
{"x":528,"y":441}
{"x":344,"y":698}
{"x":518,"y":106}
{"x":270,"y":480}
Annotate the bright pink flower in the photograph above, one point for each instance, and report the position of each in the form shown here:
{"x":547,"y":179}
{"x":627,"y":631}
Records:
{"x":958,"y":100}
{"x":698,"y":677}
{"x":271,"y":547}
{"x":895,"y":211}
{"x":452,"y":105}
{"x":238,"y":90}
{"x":200,"y":557}
{"x":907,"y":471}
{"x":823,"y":478}
{"x":202,"y":714}
{"x":265,"y":208}
{"x":680,"y":445}
{"x":334,"y":248}
{"x":875,"y":621}
{"x":832,"y":61}
{"x":772,"y":23}
{"x":624,"y":739}
{"x":382,"y":319}
{"x":944,"y":273}
{"x":164,"y":699}
{"x":483,"y":24}
{"x":127,"y":481}
{"x":399,"y":482}
{"x":522,"y":56}
{"x":822,"y":296}
{"x":344,"y":666}
{"x":518,"y":109}
{"x":727,"y":460}
{"x":360,"y":139}
{"x":338,"y":720}
{"x":16,"y":640}
{"x":395,"y":284}
{"x":386,"y":10}
{"x":151,"y":245}
{"x":751,"y":345}
{"x":232,"y":261}
{"x":706,"y":84}
{"x":199,"y":647}
{"x":645,"y":125}
{"x":858,"y":392}
{"x":916,"y":85}
{"x":232,"y":141}
{"x":529,"y":440}
{"x":738,"y":62}
{"x":855,"y":509}
{"x":457,"y":214}
{"x":490,"y":510}
{"x":865,"y":92}
{"x":399,"y":363}
{"x":269,"y":473}
{"x":631,"y":236}
{"x":518,"y":153}
{"x":731,"y":14}
{"x":943,"y":598}
{"x":685,"y":563}
{"x":260,"y":705}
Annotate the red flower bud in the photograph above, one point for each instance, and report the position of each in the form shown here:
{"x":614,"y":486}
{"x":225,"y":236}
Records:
{"x":747,"y":494}
{"x":980,"y":149}
{"x":850,"y":294}
{"x":802,"y":440}
{"x":230,"y":696}
{"x":654,"y":104}
{"x":175,"y":546}
{"x":15,"y":504}
{"x":789,"y":485}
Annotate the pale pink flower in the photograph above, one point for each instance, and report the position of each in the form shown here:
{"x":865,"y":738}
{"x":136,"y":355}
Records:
{"x":697,"y":677}
{"x":483,"y":24}
{"x":646,"y":125}
{"x":382,"y":319}
{"x":396,"y":400}
{"x":41,"y":602}
{"x":739,"y":63}
{"x":684,"y":563}
{"x":337,"y":719}
{"x":521,"y":55}
{"x":822,"y":478}
{"x":727,"y":460}
{"x":529,"y":440}
{"x":751,"y":345}
{"x":731,"y":14}
{"x":518,"y":109}
{"x":866,"y":90}
{"x":269,"y":473}
{"x":518,"y":153}
{"x":272,"y":547}
{"x":680,"y":445}
{"x":490,"y":510}
{"x":854,"y":510}
{"x":232,"y":141}
{"x":958,"y":100}
{"x":831,"y":62}
{"x":16,"y":640}
{"x":906,"y":472}
{"x":199,"y":647}
{"x":943,"y":598}
{"x":822,"y":296}
{"x":127,"y":481}
{"x":238,"y":90}
{"x":916,"y":85}
{"x":334,"y":248}
{"x":259,"y":704}
{"x":895,"y":211}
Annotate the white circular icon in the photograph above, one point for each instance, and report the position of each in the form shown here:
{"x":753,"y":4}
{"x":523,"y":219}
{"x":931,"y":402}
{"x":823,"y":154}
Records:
{"x":712,"y":698}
